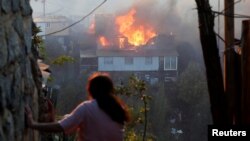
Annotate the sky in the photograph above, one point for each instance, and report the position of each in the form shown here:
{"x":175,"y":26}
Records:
{"x":178,"y":16}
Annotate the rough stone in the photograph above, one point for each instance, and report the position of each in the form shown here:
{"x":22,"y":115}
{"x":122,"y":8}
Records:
{"x":3,"y":48}
{"x":27,"y":26}
{"x":2,"y":97}
{"x":18,"y":25}
{"x":19,"y":74}
{"x":14,"y":50}
{"x":7,"y":89}
{"x":6,"y":6}
{"x":8,"y":125}
{"x":25,"y":8}
{"x":15,"y":5}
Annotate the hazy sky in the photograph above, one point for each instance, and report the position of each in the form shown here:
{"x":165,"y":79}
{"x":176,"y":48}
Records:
{"x":180,"y":16}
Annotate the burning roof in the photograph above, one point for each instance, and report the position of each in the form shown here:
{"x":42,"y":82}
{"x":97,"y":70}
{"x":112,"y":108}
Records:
{"x":137,"y":34}
{"x":123,"y":31}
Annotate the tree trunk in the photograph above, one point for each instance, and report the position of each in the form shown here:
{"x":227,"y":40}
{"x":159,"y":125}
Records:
{"x":245,"y":72}
{"x":212,"y":63}
{"x":232,"y":88}
{"x":20,"y":77}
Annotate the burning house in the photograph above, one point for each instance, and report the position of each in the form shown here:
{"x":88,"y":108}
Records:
{"x":125,"y":45}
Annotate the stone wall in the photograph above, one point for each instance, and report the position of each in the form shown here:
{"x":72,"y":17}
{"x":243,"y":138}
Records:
{"x":20,"y":78}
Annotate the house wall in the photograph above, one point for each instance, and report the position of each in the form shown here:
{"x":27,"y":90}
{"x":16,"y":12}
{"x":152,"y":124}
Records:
{"x":51,"y":25}
{"x":55,"y":26}
{"x":42,"y":28}
{"x":119,"y":64}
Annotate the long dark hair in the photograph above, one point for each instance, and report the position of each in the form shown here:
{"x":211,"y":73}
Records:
{"x":101,"y":88}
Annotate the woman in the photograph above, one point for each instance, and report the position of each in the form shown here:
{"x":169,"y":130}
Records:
{"x":101,"y":118}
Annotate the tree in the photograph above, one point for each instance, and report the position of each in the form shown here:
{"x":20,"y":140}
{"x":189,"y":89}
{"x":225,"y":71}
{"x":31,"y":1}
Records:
{"x":159,"y":111}
{"x":193,"y":94}
{"x":187,"y":54}
{"x":212,"y":63}
{"x":192,"y":84}
{"x":136,"y":88}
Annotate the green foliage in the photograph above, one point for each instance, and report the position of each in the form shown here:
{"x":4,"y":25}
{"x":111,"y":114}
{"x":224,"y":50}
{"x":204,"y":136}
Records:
{"x":136,"y":89}
{"x":42,"y":51}
{"x":193,"y":95}
{"x":50,"y":79}
{"x":131,"y":135}
{"x":159,"y":111}
{"x":36,"y":39}
{"x":38,"y":42}
{"x":192,"y":84}
{"x":62,"y":60}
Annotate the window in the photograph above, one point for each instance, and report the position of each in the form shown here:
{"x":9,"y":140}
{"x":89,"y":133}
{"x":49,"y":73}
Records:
{"x":148,"y":60}
{"x":170,"y":63}
{"x":147,"y":77}
{"x":173,"y":63}
{"x":129,"y":60}
{"x":167,"y":62}
{"x":108,"y":60}
{"x":47,"y":25}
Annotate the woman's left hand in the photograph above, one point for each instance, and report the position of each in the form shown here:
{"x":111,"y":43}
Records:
{"x":29,"y":116}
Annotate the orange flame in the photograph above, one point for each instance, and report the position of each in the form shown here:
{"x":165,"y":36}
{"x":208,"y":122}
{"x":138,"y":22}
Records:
{"x":121,"y":42}
{"x":137,"y":34}
{"x":92,"y":28}
{"x":103,"y":41}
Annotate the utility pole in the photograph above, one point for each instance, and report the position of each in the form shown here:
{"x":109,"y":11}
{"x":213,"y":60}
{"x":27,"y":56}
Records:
{"x":44,"y":8}
{"x":44,"y":18}
{"x":230,"y":60}
{"x":245,"y":72}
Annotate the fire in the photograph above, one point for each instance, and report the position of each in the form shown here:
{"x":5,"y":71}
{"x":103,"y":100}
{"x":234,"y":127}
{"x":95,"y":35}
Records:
{"x":92,"y":28}
{"x":122,"y":42}
{"x":103,"y":41}
{"x":136,"y":34}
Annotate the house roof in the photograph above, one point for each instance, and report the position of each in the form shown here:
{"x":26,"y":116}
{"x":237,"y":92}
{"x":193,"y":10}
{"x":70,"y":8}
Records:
{"x":50,"y":19}
{"x":134,"y":53}
{"x":87,"y":53}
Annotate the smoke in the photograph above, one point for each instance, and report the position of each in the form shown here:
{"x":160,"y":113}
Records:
{"x":176,"y":16}
{"x":167,"y":16}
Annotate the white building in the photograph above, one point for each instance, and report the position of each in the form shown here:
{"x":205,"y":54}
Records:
{"x":134,"y":60}
{"x":149,"y":64}
{"x":158,"y":60}
{"x":50,"y":24}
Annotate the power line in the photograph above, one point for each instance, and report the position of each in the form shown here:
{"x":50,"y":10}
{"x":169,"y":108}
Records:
{"x":219,"y":37}
{"x":50,"y":13}
{"x":218,"y":41}
{"x":84,"y":17}
{"x":232,"y":16}
{"x":233,"y":4}
{"x":225,"y":9}
{"x":236,"y":48}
